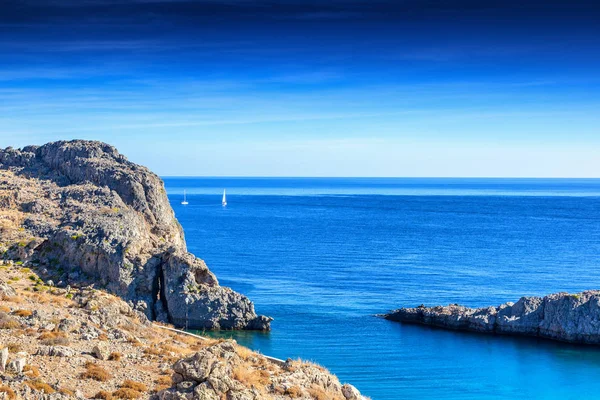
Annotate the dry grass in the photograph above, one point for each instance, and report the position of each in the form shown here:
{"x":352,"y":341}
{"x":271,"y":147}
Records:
{"x":67,"y":392}
{"x":115,"y":356}
{"x":8,"y":322}
{"x":129,"y":384}
{"x":294,"y":392}
{"x":95,"y":372}
{"x":251,"y":378}
{"x":126,"y":393}
{"x":103,"y":395}
{"x":13,"y":299}
{"x":31,"y":371}
{"x":13,"y":347}
{"x":163,"y":382}
{"x":167,"y":347}
{"x":9,"y":393}
{"x":244,"y":352}
{"x":4,"y":309}
{"x":22,"y":313}
{"x":54,"y":338}
{"x":40,"y":386}
{"x":318,"y":393}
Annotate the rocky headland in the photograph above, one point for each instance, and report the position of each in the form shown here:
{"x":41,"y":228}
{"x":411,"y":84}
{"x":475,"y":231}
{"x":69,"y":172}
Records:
{"x":79,"y":213}
{"x":84,"y":343}
{"x":573,"y":318}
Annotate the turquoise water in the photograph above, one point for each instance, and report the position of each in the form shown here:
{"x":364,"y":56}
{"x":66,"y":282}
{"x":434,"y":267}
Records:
{"x":323,"y":255}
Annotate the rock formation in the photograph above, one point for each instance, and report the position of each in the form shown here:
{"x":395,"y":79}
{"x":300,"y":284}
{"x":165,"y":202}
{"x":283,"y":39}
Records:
{"x":82,"y":213}
{"x":573,"y":318}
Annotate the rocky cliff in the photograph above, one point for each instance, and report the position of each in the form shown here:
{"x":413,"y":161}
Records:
{"x":81,"y":213}
{"x":573,"y":318}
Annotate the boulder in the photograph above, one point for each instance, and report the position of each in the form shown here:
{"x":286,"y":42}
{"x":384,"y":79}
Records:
{"x":101,"y":351}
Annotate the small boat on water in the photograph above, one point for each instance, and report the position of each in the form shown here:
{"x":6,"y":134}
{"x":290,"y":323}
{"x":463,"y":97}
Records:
{"x":224,"y":201}
{"x":184,"y":202}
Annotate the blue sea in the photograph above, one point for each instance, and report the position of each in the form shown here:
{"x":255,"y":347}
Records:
{"x":322,"y":256}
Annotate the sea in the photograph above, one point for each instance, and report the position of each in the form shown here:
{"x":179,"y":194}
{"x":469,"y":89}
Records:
{"x":324,"y":256}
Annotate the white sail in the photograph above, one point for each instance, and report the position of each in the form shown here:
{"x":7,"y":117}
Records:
{"x":184,"y":202}
{"x":224,"y":202}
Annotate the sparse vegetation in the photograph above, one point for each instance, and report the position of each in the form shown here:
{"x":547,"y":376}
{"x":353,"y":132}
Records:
{"x":8,"y":322}
{"x":103,"y":395}
{"x":54,"y":338}
{"x":8,"y":392}
{"x":115,"y":356}
{"x":126,"y":393}
{"x":140,"y":387}
{"x":95,"y":372}
{"x":23,"y":313}
{"x":40,"y":386}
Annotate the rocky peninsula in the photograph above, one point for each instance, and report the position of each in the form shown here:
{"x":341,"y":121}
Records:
{"x":80,"y":213}
{"x":573,"y":318}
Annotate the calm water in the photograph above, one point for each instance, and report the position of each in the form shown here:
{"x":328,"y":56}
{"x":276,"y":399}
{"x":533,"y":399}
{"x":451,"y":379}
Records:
{"x":323,"y":255}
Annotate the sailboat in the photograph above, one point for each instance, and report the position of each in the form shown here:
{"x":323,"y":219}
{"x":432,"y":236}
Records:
{"x":184,"y":202}
{"x":224,"y":202}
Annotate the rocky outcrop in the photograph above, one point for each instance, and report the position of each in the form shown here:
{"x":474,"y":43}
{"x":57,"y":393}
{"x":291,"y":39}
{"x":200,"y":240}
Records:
{"x":84,"y":343}
{"x":223,"y":371}
{"x":83,"y":214}
{"x":573,"y":318}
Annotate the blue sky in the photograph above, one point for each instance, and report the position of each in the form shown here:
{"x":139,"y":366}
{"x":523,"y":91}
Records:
{"x":310,"y":88}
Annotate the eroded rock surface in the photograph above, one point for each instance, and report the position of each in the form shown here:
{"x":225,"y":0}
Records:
{"x":573,"y":318}
{"x":80,"y":213}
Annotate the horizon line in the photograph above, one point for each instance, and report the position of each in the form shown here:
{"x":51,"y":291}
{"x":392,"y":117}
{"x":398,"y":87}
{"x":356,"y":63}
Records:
{"x":370,"y":177}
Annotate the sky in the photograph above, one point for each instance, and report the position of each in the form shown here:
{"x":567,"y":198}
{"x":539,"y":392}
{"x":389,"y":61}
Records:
{"x":310,"y":88}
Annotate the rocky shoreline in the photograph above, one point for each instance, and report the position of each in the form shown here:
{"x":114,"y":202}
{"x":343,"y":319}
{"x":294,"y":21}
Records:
{"x":83,"y":343}
{"x":80,"y":213}
{"x":573,"y":318}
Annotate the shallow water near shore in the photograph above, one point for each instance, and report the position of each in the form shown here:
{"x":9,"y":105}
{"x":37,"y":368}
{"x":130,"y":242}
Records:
{"x":322,"y":256}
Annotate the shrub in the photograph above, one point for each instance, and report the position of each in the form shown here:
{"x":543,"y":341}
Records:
{"x":8,"y":322}
{"x":95,"y":372}
{"x":10,"y":394}
{"x":103,"y":395}
{"x":4,"y":309}
{"x":126,"y":393}
{"x":318,"y":393}
{"x":67,"y":392}
{"x":294,"y":392}
{"x":23,"y":313}
{"x":115,"y":356}
{"x":40,"y":386}
{"x":54,"y":339}
{"x":129,"y":384}
{"x":163,"y":382}
{"x":32,"y":371}
{"x":13,"y":347}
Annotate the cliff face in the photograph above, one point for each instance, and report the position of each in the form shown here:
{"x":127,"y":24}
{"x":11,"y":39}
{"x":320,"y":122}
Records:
{"x":82,"y":213}
{"x":573,"y":318}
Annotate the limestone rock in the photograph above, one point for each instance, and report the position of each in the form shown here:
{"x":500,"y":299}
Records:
{"x":6,"y":290}
{"x":350,"y":392}
{"x":99,"y":219}
{"x":101,"y":351}
{"x":573,"y":318}
{"x":218,"y":372}
{"x":3,"y":359}
{"x":17,"y":365}
{"x":55,"y":351}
